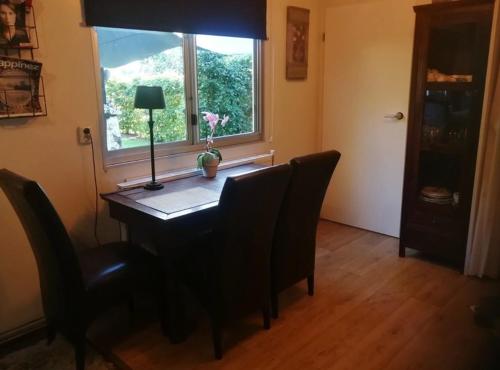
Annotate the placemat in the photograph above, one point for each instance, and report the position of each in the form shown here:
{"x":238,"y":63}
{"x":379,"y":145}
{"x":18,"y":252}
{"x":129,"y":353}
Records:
{"x":181,"y":200}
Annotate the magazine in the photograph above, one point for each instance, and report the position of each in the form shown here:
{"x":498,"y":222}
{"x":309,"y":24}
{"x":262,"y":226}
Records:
{"x":14,"y":30}
{"x":19,"y":87}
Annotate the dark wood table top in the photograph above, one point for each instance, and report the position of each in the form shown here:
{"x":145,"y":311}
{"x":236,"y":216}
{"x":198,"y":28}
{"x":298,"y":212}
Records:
{"x":154,"y":204}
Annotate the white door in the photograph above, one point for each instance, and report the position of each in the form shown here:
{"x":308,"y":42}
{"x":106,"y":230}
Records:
{"x":368,"y":54}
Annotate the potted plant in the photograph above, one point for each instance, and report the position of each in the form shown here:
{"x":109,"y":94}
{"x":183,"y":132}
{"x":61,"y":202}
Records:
{"x":209,"y":160}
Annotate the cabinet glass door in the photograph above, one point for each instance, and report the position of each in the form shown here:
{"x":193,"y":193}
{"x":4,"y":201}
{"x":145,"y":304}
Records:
{"x":447,"y":114}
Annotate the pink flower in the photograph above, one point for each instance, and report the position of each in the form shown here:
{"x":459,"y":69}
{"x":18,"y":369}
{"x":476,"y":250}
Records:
{"x":207,"y":116}
{"x":212,"y":119}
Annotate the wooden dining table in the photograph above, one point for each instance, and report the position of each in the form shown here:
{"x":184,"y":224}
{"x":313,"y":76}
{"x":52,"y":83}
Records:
{"x":165,"y":222}
{"x":174,"y":213}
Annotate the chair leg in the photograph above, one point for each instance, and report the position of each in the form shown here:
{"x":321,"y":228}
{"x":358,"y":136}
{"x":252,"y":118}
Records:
{"x":310,"y":285}
{"x":131,"y":311}
{"x":162,"y":301}
{"x":80,"y":353}
{"x":266,"y":316}
{"x":217,"y":339}
{"x":274,"y":305}
{"x":51,"y":334}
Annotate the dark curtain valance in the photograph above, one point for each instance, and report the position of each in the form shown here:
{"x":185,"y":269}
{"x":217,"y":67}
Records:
{"x":238,"y":18}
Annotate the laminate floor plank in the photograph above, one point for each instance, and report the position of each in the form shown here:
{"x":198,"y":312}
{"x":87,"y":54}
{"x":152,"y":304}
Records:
{"x":450,"y":340}
{"x":379,"y":346}
{"x":371,"y":311}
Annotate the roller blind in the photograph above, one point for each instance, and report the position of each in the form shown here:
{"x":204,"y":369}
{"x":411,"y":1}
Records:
{"x":236,"y":18}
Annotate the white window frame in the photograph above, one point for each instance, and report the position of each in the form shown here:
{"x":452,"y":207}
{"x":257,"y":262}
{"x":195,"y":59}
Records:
{"x":193,"y":143}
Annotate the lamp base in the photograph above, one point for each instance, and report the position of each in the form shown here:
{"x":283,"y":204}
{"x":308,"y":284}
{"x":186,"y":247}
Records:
{"x":153,"y":185}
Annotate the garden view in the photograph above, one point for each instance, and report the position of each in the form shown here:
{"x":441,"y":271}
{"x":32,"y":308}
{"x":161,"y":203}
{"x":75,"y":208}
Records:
{"x":225,"y":86}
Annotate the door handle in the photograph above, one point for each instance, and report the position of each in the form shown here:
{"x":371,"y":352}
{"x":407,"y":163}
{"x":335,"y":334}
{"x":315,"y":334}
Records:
{"x":397,"y":116}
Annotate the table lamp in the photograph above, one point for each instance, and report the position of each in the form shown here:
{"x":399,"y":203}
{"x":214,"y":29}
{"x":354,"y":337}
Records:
{"x":150,"y":97}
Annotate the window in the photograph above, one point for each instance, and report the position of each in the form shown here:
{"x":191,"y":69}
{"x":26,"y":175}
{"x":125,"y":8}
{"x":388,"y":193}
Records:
{"x":198,"y":73}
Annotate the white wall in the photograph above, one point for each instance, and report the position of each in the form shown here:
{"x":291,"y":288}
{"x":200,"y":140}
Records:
{"x":45,"y":148}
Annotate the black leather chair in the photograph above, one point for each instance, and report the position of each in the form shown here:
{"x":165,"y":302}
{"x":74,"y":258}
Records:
{"x":294,"y":246}
{"x":229,"y":269}
{"x":75,"y":287}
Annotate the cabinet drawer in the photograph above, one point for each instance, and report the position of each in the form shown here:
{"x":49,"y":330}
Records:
{"x":431,"y":240}
{"x":444,"y":221}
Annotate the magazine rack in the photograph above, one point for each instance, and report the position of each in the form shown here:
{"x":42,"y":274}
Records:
{"x":14,"y":91}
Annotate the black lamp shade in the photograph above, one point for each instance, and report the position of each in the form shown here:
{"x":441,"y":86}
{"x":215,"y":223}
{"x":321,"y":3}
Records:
{"x":149,"y":97}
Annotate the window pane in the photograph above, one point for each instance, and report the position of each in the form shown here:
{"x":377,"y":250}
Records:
{"x":225,"y":82}
{"x":130,"y":58}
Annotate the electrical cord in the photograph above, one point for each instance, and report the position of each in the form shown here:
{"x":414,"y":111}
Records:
{"x":96,"y":214}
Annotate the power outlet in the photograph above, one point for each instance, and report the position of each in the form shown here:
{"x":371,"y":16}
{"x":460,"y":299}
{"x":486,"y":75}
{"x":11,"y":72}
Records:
{"x":84,"y":135}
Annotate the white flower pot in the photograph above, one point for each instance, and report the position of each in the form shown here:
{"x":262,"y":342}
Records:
{"x":210,"y":168}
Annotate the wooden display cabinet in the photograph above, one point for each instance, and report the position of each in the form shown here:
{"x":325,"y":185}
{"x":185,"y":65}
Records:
{"x":448,"y":77}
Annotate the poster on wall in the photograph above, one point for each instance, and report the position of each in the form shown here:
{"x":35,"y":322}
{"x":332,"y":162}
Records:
{"x":14,"y":27}
{"x":297,"y":43}
{"x":19,"y":87}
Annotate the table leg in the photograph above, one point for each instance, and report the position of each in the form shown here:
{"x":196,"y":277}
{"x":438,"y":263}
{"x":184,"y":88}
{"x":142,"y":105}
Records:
{"x":172,"y":307}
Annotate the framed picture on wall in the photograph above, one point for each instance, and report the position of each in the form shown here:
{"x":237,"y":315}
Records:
{"x":297,"y":43}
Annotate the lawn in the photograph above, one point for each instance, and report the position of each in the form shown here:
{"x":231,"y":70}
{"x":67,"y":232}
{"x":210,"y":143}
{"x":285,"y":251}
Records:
{"x":133,"y":142}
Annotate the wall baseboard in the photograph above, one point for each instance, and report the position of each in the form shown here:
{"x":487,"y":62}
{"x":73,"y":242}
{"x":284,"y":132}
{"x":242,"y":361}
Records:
{"x":21,"y":331}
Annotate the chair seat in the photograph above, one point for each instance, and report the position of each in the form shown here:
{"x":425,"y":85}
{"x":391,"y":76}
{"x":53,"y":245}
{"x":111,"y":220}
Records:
{"x":104,"y":265}
{"x":111,"y":270}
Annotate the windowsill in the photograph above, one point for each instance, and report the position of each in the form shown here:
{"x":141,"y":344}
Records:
{"x":190,"y":172}
{"x":142,"y":154}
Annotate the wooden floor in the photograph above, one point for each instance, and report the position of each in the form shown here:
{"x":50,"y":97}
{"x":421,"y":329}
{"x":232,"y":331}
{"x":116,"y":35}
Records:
{"x":371,"y":310}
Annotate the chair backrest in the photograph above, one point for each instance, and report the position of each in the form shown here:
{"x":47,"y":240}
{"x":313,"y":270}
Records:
{"x":248,"y":209}
{"x":58,"y":267}
{"x":295,"y":238}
